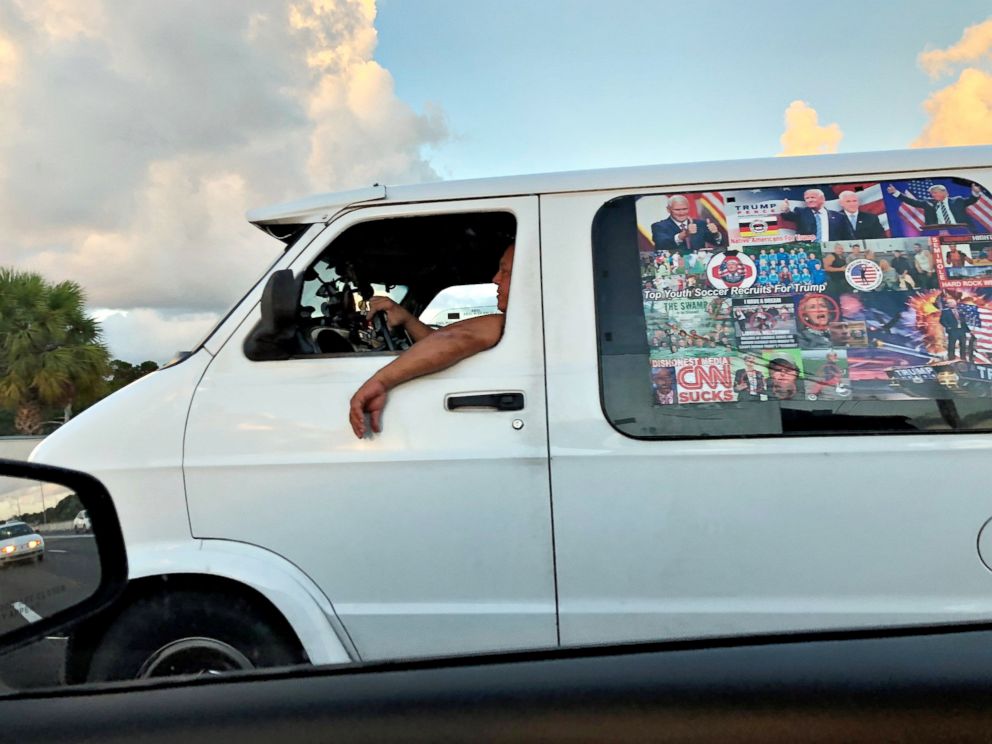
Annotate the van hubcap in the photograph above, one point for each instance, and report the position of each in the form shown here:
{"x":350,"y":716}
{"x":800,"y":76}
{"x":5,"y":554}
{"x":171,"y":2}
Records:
{"x":196,"y":656}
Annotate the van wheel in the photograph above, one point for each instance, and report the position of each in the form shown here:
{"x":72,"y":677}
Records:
{"x":189,"y":633}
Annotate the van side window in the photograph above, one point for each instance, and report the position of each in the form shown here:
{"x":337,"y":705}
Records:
{"x":838,"y":308}
{"x":408,"y":259}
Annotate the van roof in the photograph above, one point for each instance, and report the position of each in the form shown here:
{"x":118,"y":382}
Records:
{"x":281,"y":218}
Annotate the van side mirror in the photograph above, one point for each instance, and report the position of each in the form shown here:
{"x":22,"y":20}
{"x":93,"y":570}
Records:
{"x":62,"y":554}
{"x":274,"y":335}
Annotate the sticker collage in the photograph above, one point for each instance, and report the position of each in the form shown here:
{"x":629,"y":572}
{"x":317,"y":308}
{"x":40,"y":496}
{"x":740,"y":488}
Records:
{"x":854,"y":291}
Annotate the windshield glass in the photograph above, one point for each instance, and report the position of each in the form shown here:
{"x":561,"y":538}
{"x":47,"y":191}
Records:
{"x":14,"y":530}
{"x":304,"y":239}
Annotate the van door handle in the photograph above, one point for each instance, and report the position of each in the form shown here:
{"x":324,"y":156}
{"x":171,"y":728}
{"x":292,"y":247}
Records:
{"x":496,"y":401}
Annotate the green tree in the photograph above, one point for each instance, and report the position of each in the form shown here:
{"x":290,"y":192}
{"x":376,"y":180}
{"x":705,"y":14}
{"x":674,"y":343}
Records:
{"x":119,"y":374}
{"x":50,"y":350}
{"x":124,"y":373}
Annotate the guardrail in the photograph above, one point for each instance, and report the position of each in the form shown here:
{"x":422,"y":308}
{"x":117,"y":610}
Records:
{"x":53,"y":527}
{"x":17,"y":448}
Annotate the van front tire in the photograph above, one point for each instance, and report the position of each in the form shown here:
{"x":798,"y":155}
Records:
{"x":189,"y":632}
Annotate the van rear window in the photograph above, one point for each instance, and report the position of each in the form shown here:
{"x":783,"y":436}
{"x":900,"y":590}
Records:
{"x":856,"y":307}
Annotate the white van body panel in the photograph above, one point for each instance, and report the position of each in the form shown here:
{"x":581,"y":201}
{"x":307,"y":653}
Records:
{"x":314,"y":209}
{"x":669,"y":539}
{"x":289,"y":590}
{"x":132,"y":441}
{"x":433,"y":537}
{"x":678,"y":175}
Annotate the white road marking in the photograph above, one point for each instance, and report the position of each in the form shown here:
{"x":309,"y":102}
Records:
{"x":26,"y":612}
{"x":55,"y":550}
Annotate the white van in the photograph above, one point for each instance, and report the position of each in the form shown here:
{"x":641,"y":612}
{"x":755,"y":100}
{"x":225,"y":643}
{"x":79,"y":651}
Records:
{"x":715,"y":409}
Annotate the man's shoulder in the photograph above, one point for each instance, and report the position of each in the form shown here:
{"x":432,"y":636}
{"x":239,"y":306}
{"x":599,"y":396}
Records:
{"x":481,"y":321}
{"x":489,"y":327}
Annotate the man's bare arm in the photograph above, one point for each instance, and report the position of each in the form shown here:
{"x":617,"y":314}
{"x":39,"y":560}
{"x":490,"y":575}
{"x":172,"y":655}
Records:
{"x":434,"y":352}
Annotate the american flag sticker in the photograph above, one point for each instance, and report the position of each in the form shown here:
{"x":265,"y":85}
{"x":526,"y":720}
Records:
{"x":981,"y":211}
{"x":911,"y":215}
{"x":919,"y":188}
{"x":979,"y":320}
{"x":863,"y":274}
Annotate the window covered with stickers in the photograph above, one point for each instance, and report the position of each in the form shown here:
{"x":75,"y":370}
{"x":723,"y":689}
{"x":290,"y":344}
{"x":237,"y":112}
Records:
{"x":827,"y":308}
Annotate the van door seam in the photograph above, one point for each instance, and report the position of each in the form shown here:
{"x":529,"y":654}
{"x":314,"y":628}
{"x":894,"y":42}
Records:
{"x":547,"y":421}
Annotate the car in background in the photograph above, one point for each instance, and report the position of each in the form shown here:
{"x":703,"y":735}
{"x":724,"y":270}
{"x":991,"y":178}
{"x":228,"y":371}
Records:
{"x":19,"y":541}
{"x":82,"y":522}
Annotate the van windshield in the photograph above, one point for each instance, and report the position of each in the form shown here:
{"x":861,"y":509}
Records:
{"x":304,"y":238}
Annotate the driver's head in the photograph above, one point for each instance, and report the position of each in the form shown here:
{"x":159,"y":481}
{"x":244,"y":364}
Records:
{"x":502,"y":278}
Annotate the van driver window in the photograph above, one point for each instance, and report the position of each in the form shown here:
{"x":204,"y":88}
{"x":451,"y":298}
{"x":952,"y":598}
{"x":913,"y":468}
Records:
{"x":409,"y":260}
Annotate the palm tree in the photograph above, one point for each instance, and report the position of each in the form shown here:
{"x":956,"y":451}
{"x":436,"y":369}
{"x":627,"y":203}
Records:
{"x":50,"y":350}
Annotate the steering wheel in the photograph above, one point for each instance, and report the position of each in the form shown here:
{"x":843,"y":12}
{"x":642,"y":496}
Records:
{"x":381,"y":327}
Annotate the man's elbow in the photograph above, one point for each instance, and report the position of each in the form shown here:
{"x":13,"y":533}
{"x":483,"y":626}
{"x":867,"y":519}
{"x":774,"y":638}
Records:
{"x":477,"y":342}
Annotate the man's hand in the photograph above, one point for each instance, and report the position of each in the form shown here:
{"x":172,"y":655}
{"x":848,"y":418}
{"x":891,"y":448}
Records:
{"x":369,"y":398}
{"x":711,"y":226}
{"x":437,"y":351}
{"x":396,"y":315}
{"x":785,"y":205}
{"x":892,"y":189}
{"x":693,"y":228}
{"x":976,"y":189}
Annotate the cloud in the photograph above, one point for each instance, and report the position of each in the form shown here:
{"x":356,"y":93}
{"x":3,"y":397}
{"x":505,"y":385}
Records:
{"x":961,"y":113}
{"x":187,"y":249}
{"x":143,"y":334}
{"x":9,"y":59}
{"x":803,"y":134}
{"x":974,"y":45}
{"x":359,"y":107}
{"x":354,"y":106}
{"x":64,"y":19}
{"x":135,"y":135}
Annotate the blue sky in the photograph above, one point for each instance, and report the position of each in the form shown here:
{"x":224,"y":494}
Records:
{"x":553,"y":84}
